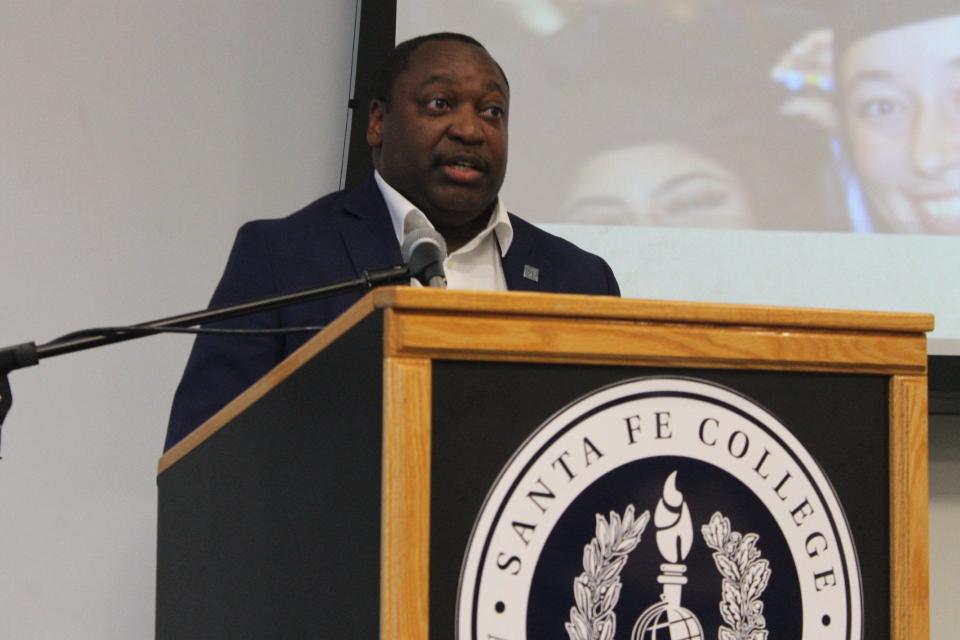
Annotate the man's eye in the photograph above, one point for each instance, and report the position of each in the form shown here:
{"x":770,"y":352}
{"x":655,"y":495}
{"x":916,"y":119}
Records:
{"x":494,"y":112}
{"x":437,"y":104}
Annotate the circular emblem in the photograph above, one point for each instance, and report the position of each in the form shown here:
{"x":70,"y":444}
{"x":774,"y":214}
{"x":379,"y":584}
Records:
{"x":661,"y":509}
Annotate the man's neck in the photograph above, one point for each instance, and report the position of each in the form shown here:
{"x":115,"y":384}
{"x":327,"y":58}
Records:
{"x":456,"y":237}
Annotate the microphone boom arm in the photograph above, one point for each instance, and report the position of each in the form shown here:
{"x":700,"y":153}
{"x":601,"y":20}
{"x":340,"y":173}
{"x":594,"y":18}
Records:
{"x":27,"y":354}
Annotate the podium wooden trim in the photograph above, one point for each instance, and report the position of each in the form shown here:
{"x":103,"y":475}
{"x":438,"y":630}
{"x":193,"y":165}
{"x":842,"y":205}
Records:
{"x":909,"y":509}
{"x":404,"y":608}
{"x":420,"y":326}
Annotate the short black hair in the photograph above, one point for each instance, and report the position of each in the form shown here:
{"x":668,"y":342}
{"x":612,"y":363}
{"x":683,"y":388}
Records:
{"x":399,"y":59}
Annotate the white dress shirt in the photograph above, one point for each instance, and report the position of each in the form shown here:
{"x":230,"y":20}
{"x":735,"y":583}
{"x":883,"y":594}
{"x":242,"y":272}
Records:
{"x":476,"y":265}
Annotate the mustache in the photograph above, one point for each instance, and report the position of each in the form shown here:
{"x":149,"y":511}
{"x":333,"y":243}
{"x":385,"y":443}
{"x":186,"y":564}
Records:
{"x":471,"y":160}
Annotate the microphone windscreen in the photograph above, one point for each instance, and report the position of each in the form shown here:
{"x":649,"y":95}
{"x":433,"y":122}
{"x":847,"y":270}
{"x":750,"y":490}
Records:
{"x":424,"y":251}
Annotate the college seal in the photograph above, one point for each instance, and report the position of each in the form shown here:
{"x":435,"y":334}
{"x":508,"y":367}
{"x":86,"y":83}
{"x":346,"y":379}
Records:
{"x":661,"y":509}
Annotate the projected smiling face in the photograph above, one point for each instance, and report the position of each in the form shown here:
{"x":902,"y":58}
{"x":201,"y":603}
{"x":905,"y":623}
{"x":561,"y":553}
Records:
{"x":663,"y":184}
{"x":901,"y":109}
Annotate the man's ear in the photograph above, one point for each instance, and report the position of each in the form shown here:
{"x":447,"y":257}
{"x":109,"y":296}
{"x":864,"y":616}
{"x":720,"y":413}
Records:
{"x":375,"y":123}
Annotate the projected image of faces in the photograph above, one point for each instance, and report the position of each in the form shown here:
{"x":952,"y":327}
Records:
{"x":900,"y":112}
{"x":679,"y":187}
{"x":666,"y":118}
{"x":782,"y":116}
{"x":821,"y":115}
{"x":888,"y":96}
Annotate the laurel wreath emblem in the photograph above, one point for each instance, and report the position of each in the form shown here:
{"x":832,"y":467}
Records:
{"x":745,"y":576}
{"x":597,"y":590}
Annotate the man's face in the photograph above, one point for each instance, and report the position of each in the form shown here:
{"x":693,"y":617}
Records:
{"x":902,"y":116}
{"x":443,"y":141}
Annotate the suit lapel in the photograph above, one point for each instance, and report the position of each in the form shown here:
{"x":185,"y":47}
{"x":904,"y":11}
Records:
{"x":524,"y":268}
{"x":366,"y":230}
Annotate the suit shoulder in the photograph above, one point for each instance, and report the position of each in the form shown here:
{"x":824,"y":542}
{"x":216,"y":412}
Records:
{"x":317,"y":212}
{"x":578,"y":270}
{"x":551,"y":243}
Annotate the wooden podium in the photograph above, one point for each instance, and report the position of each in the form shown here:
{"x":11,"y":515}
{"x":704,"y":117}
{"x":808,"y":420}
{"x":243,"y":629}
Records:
{"x":334,"y":498}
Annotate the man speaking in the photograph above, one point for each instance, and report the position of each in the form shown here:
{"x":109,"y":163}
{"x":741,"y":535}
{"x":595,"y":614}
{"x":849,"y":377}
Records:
{"x":438,"y":131}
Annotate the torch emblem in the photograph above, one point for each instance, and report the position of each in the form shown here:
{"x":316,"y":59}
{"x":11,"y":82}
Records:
{"x":745,"y":575}
{"x":668,"y":619}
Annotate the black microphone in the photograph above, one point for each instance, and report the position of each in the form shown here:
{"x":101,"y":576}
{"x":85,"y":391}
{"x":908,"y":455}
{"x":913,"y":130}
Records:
{"x":424,"y":251}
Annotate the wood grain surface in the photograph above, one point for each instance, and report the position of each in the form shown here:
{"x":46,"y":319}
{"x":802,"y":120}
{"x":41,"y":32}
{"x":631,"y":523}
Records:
{"x":405,"y":524}
{"x":909,"y":518}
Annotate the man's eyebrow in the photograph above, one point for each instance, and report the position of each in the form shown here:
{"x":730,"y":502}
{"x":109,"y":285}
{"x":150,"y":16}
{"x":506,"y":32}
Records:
{"x":494,"y":85}
{"x":440,"y":78}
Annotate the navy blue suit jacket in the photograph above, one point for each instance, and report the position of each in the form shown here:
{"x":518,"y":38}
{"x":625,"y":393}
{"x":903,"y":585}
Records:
{"x":335,"y":238}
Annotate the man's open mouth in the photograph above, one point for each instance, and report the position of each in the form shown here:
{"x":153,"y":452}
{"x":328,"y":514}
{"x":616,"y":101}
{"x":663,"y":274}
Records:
{"x":463,"y":169}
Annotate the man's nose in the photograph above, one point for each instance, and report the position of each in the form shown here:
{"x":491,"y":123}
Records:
{"x":466,"y":126}
{"x":936,"y":141}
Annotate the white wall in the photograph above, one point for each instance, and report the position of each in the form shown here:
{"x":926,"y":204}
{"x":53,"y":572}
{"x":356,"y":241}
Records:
{"x":135,"y":136}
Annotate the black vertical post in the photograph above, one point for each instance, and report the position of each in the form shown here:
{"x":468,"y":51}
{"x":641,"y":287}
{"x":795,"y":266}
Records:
{"x":378,"y":33}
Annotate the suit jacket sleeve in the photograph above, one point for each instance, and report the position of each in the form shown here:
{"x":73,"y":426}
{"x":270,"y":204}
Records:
{"x":217,"y":372}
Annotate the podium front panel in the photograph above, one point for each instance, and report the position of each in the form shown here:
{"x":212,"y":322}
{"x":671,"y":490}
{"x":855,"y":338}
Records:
{"x":271,"y":527}
{"x":484,"y":411}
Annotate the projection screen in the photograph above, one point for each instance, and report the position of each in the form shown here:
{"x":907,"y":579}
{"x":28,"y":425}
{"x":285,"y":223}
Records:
{"x":787,"y":153}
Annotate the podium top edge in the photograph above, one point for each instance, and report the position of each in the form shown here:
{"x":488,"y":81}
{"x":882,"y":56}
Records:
{"x":414,"y":299}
